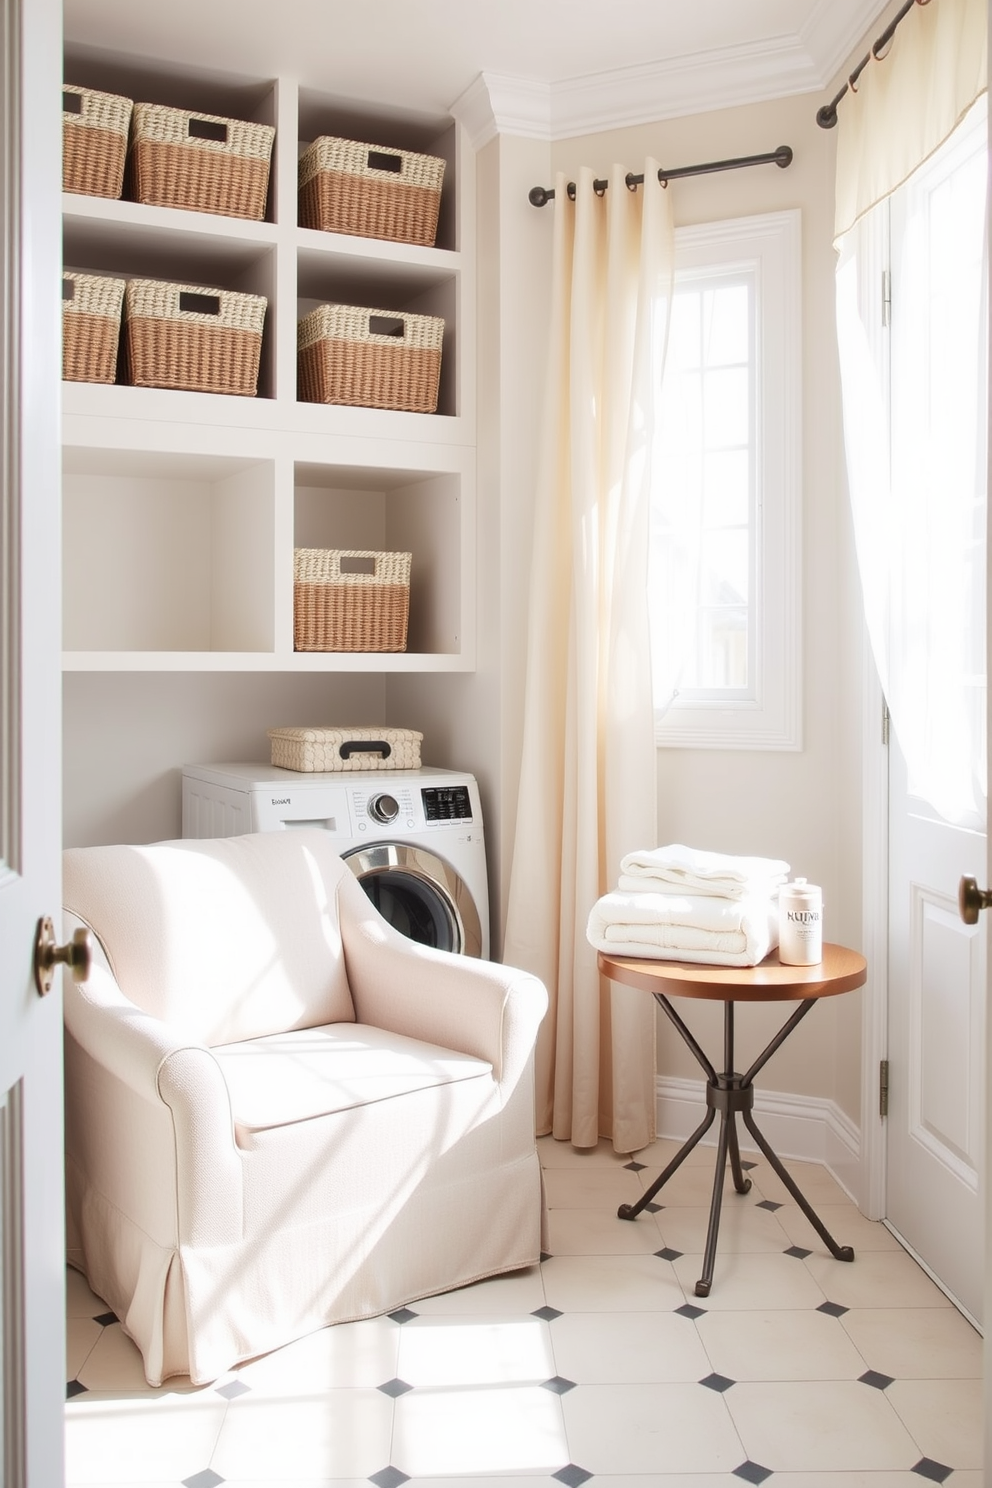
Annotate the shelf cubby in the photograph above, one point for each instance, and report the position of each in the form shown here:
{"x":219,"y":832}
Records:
{"x":166,"y":552}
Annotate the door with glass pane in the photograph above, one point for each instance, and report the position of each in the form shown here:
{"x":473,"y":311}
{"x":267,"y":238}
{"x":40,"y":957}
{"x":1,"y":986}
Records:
{"x":937,"y":789}
{"x":32,"y":1349}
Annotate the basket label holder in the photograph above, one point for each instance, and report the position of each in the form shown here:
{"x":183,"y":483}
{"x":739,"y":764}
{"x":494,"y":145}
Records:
{"x":72,"y":103}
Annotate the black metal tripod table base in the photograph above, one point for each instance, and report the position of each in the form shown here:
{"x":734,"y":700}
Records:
{"x":729,"y":1094}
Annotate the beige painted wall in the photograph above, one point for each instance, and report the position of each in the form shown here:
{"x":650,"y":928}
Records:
{"x":803,"y":806}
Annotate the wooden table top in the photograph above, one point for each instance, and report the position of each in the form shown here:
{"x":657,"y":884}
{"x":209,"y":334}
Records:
{"x":841,"y":970}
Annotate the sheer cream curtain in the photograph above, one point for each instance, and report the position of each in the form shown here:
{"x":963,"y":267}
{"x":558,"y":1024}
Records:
{"x":914,"y":420}
{"x":588,"y":768}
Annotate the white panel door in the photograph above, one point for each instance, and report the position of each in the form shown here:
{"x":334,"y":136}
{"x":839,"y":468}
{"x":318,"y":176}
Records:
{"x":935,"y":1189}
{"x":937,"y":764}
{"x":32,"y":1265}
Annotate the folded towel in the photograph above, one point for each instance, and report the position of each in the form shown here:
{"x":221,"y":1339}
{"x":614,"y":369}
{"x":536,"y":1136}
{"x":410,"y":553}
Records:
{"x":700,"y":928}
{"x":692,"y":871}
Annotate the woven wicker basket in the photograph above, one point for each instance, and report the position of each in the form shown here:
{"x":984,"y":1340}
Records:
{"x":184,"y":336}
{"x":199,"y":161}
{"x":354,"y":600}
{"x":91,"y":327}
{"x":348,"y":187}
{"x":369,"y":358}
{"x":94,"y":141}
{"x":341,"y":749}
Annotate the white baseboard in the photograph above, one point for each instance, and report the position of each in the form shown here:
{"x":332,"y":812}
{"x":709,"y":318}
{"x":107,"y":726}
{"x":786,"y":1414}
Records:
{"x":809,"y":1128}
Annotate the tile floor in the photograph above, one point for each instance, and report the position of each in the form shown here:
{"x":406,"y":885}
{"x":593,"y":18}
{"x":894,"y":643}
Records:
{"x":600,"y":1365}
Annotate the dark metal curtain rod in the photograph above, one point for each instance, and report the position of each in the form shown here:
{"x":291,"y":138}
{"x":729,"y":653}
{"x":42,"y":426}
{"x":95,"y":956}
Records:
{"x":538,"y":196}
{"x":826,"y":116}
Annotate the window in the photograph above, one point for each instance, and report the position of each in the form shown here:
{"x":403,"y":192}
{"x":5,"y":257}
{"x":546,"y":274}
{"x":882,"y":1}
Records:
{"x":724,"y":563}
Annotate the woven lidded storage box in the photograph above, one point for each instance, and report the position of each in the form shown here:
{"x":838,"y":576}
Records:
{"x":184,"y":336}
{"x":91,"y":326}
{"x":369,"y":358}
{"x":199,"y":161}
{"x":348,"y":187}
{"x":94,"y":140}
{"x":321,"y":749}
{"x":354,"y":600}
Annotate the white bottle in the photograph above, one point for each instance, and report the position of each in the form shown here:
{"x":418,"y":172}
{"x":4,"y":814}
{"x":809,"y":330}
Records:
{"x":800,"y":924}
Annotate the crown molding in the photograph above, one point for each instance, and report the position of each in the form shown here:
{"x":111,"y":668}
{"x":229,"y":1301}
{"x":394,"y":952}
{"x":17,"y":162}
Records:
{"x":696,"y":83}
{"x":497,"y":104}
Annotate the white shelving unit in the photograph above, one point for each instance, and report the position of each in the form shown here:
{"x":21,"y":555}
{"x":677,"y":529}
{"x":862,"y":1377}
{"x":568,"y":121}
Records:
{"x":182,"y":510}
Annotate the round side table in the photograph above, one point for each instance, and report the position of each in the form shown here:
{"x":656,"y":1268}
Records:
{"x":729,"y":1092}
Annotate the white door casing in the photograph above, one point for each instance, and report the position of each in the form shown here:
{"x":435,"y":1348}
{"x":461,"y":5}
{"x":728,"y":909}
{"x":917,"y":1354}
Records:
{"x":32,"y":1388}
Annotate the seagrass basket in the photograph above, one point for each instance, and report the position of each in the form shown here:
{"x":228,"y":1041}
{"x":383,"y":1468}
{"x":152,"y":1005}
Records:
{"x":202,"y":162}
{"x":350,"y":600}
{"x":369,"y":358}
{"x":94,"y":140}
{"x":184,"y":336}
{"x":348,"y":187}
{"x":342,"y":749}
{"x":91,"y":326}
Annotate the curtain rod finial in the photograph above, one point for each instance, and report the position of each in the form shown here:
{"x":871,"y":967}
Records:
{"x":826,"y":116}
{"x":539,"y":196}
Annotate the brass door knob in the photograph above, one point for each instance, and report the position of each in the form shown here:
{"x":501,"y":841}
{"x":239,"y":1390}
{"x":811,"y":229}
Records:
{"x":972,"y":900}
{"x":77,"y":955}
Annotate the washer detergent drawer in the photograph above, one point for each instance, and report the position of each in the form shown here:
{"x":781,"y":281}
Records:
{"x":420,"y":895}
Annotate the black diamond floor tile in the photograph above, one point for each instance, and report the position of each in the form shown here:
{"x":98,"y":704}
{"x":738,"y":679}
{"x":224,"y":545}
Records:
{"x":668,"y":1254}
{"x":747,"y":1166}
{"x":876,"y":1380}
{"x":653,"y":1208}
{"x":105,"y":1319}
{"x":205,"y":1479}
{"x":718,"y":1382}
{"x":572,"y":1476}
{"x":935,"y":1472}
{"x":546,"y":1255}
{"x":752,"y":1472}
{"x":769,"y":1204}
{"x":546,"y":1314}
{"x":687,"y":1310}
{"x":403,"y":1315}
{"x":389,"y":1477}
{"x":395,"y":1388}
{"x":558,"y":1384}
{"x":635,"y":1167}
{"x":232,"y":1390}
{"x":74,"y":1388}
{"x":833,"y":1309}
{"x":798,"y":1252}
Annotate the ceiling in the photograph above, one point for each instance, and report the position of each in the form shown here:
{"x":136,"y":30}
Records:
{"x":547,"y":67}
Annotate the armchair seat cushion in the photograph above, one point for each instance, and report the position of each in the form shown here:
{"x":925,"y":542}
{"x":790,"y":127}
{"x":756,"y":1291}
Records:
{"x":291,"y":1077}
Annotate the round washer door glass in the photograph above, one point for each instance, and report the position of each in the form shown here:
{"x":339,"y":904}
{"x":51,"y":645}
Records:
{"x":420,"y":895}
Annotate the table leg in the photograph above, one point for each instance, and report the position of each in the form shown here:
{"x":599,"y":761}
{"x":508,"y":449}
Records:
{"x":841,"y":1252}
{"x":631,"y":1211}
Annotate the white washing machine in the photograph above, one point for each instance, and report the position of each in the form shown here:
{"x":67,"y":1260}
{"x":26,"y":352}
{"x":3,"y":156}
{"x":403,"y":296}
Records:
{"x":413,"y":838}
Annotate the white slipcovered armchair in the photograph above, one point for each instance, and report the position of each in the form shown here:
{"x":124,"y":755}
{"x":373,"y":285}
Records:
{"x":280,"y":1113}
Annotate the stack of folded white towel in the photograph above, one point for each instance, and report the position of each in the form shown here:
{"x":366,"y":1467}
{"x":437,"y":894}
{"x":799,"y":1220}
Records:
{"x":678,"y":903}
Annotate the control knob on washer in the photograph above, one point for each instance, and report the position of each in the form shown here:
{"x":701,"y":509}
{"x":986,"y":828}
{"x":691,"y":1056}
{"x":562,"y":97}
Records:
{"x":383,"y":808}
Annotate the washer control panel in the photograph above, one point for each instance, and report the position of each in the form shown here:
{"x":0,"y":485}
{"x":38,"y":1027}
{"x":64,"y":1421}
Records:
{"x":447,"y":803}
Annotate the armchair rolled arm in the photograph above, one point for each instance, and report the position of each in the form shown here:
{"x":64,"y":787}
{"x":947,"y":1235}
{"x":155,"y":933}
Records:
{"x":477,"y":1007}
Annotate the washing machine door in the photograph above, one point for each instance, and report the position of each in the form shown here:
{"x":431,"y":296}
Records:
{"x":420,"y":895}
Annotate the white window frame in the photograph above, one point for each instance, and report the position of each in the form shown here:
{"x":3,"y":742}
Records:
{"x":770,"y":717}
